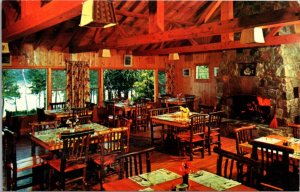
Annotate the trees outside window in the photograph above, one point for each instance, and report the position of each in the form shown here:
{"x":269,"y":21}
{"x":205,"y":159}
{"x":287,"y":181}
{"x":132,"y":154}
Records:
{"x":23,"y":90}
{"x":94,"y":86}
{"x":59,"y":86}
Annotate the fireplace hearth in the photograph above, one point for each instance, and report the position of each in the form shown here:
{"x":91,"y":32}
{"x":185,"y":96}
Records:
{"x":250,"y":107}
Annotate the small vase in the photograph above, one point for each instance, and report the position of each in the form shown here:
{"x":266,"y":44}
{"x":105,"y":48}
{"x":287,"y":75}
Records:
{"x":185,"y":179}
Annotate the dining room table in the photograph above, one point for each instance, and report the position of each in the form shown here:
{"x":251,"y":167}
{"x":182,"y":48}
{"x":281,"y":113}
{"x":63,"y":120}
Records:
{"x":278,"y":140}
{"x":57,"y":114}
{"x":50,"y":139}
{"x":174,"y":101}
{"x":171,"y":179}
{"x":170,"y":120}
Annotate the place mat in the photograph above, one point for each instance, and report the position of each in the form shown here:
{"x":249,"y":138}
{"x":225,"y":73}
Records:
{"x":154,"y":177}
{"x":212,"y":180}
{"x":267,"y":140}
{"x":147,"y":189}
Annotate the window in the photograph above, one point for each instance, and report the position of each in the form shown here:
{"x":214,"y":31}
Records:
{"x":202,"y":72}
{"x":23,"y":90}
{"x":162,"y":82}
{"x":94,"y":86}
{"x":59,"y":86}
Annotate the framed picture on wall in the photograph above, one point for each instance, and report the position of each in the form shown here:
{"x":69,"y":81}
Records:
{"x":216,"y":71}
{"x":6,"y":59}
{"x":247,"y":69}
{"x":186,"y":72}
{"x":127,"y":60}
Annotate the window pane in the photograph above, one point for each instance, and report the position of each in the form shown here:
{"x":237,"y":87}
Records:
{"x":24,"y":90}
{"x":202,"y":72}
{"x":162,"y":82}
{"x":59,"y":85}
{"x":94,"y":86}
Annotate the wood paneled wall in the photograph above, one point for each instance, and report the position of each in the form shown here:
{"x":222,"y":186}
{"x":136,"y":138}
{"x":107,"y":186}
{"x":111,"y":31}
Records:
{"x":205,"y":90}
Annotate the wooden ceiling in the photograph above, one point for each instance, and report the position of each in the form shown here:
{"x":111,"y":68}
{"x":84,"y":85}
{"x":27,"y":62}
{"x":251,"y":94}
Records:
{"x":175,"y":26}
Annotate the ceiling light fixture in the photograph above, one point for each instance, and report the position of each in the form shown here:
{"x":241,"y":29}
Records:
{"x":173,"y":56}
{"x":98,"y":14}
{"x":252,"y":35}
{"x":106,"y":53}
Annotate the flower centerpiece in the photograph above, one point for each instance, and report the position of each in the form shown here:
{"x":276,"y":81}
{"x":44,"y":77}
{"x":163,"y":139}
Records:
{"x":185,"y":169}
{"x":71,"y":123}
{"x":185,"y":112}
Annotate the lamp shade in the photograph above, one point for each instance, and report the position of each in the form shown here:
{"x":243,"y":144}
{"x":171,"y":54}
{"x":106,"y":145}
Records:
{"x":252,"y":35}
{"x":173,"y":56}
{"x":5,"y":48}
{"x":98,"y":14}
{"x":106,"y":53}
{"x":297,"y":28}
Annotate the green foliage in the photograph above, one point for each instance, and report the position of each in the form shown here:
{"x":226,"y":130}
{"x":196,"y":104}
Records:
{"x":144,"y":86}
{"x":59,"y":80}
{"x":10,"y":88}
{"x":37,"y":79}
{"x":93,"y":78}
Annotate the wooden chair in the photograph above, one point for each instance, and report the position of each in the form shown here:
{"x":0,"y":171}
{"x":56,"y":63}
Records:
{"x":41,"y":126}
{"x":110,"y":145}
{"x":140,"y":117}
{"x":242,"y":135}
{"x":189,"y":100}
{"x":79,"y":111}
{"x":173,"y":109}
{"x":59,"y":105}
{"x":205,"y":108}
{"x":112,"y":113}
{"x":194,"y":140}
{"x":19,"y":170}
{"x":135,"y":163}
{"x":102,"y":115}
{"x":214,"y":127}
{"x":72,"y":164}
{"x":274,"y":160}
{"x":240,"y":168}
{"x":41,"y":114}
{"x":90,"y":105}
{"x":296,"y":129}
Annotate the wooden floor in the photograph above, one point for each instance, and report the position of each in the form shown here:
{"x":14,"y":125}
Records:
{"x":159,"y":160}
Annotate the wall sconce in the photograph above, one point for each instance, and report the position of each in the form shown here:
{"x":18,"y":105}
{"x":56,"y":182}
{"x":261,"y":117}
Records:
{"x":173,"y":56}
{"x":5,"y":48}
{"x":105,"y":53}
{"x":252,"y":35}
{"x":98,"y":14}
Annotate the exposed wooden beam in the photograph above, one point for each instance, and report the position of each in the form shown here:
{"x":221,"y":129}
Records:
{"x":146,"y":16}
{"x":226,"y":14}
{"x":209,"y":11}
{"x":277,"y":40}
{"x":156,"y":21}
{"x":269,"y":19}
{"x":51,"y":14}
{"x":273,"y":32}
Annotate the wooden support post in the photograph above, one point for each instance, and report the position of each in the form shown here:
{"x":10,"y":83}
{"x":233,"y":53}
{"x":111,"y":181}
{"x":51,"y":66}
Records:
{"x":49,"y":87}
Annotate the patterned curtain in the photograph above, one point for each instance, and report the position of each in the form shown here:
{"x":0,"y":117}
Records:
{"x":78,"y":77}
{"x":170,"y":72}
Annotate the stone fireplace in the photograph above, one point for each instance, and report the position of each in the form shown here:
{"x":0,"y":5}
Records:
{"x":277,"y":79}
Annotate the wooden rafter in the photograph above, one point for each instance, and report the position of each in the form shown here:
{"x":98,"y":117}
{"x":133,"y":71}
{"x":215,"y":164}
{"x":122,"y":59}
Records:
{"x":42,"y":18}
{"x":281,"y":17}
{"x":277,"y":40}
{"x":209,"y":11}
{"x":273,"y":32}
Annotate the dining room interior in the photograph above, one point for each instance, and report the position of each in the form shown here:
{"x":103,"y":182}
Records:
{"x":108,"y":95}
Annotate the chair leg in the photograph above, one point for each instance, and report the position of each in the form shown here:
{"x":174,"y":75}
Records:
{"x":209,"y":145}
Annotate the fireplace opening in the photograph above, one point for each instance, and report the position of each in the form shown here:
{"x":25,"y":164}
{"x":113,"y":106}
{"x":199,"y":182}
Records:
{"x":251,"y":107}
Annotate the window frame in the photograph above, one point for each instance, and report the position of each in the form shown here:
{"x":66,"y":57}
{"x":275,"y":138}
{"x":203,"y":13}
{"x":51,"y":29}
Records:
{"x":209,"y":72}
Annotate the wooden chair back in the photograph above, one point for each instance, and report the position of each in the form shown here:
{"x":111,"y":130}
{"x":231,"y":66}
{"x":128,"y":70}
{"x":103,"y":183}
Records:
{"x":111,"y":112}
{"x":18,"y":170}
{"x":79,"y":111}
{"x":135,"y":163}
{"x":214,"y":129}
{"x":58,"y":105}
{"x":41,"y":114}
{"x":43,"y":126}
{"x":275,"y":161}
{"x":215,"y":119}
{"x":240,"y":168}
{"x":295,"y":129}
{"x":173,"y":109}
{"x":102,"y":115}
{"x":189,"y":99}
{"x":140,"y":116}
{"x":242,"y":135}
{"x":75,"y":147}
